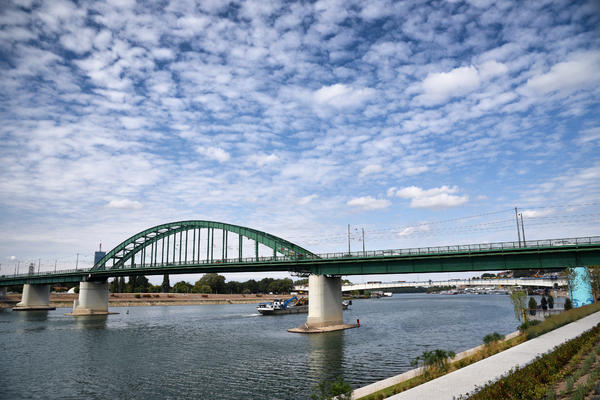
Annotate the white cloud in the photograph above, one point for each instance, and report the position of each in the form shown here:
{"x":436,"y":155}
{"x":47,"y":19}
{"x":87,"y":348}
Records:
{"x":306,"y":199}
{"x":409,"y":171}
{"x":537,"y":213}
{"x":442,"y":197}
{"x":413,"y":229}
{"x":214,"y":153}
{"x":163,"y":53}
{"x":439,"y":87}
{"x":263,"y":159}
{"x":370,"y":169}
{"x":490,"y":69}
{"x":125,"y":204}
{"x":369,"y":203}
{"x":580,"y":71}
{"x":342,"y":96}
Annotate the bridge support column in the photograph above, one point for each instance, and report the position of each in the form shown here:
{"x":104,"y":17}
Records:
{"x":35,"y":297}
{"x":3,"y":293}
{"x":93,"y":299}
{"x":324,"y":306}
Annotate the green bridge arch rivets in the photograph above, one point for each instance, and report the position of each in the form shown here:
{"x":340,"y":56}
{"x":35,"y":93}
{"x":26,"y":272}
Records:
{"x":173,"y":236}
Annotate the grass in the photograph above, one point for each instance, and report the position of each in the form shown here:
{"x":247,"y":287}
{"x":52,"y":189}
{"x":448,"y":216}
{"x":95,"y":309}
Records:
{"x":530,"y":332}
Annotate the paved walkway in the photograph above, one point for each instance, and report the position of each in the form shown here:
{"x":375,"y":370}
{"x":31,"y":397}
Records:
{"x":466,"y":379}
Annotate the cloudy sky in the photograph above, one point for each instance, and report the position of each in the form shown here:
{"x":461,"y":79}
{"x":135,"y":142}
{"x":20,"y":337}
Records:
{"x":425,"y":123}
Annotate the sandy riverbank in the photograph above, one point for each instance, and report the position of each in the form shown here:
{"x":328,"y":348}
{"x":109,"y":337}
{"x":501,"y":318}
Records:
{"x":155,"y":299}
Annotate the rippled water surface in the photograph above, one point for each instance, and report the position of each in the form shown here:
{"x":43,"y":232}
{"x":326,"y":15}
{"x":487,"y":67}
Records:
{"x":229,"y":351}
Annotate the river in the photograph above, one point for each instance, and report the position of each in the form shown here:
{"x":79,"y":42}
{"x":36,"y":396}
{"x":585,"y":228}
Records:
{"x":229,"y":351}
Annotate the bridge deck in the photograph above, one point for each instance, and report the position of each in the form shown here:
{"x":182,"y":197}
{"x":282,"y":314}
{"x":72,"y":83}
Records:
{"x":553,"y":253}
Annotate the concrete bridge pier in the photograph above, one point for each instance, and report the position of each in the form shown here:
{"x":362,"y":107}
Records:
{"x":35,"y":297}
{"x":2,"y":293}
{"x":324,"y":306}
{"x":93,"y":299}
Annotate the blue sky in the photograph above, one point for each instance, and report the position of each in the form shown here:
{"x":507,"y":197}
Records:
{"x":424,"y":123}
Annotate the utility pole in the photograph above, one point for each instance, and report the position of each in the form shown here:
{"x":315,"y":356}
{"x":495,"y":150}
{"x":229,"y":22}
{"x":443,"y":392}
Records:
{"x":77,"y":262}
{"x":518,"y":231}
{"x":18,"y":265}
{"x":348,"y":238}
{"x":39,"y":263}
{"x":523,"y":229}
{"x":363,"y":237}
{"x":54,"y":265}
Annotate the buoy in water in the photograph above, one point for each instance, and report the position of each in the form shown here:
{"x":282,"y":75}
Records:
{"x":357,"y":322}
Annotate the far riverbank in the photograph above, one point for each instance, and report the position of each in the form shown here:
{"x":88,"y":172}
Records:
{"x":65,"y":300}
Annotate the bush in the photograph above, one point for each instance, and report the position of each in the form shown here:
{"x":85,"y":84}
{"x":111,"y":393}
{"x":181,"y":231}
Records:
{"x":436,"y":359}
{"x":550,"y":302}
{"x":338,"y":389}
{"x":146,"y":295}
{"x":492,"y":337}
{"x":526,"y":325}
{"x":137,"y":295}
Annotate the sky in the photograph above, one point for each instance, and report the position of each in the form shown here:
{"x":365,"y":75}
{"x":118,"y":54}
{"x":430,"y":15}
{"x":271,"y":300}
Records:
{"x":423,"y":123}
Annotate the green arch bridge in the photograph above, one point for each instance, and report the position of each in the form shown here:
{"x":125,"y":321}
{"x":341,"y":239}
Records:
{"x":188,"y":247}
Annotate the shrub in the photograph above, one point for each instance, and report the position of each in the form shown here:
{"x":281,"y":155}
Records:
{"x":432,"y":360}
{"x":146,"y":295}
{"x":526,"y":325}
{"x":492,"y":337}
{"x":137,"y":295}
{"x":338,"y":389}
{"x":550,"y":302}
{"x":157,"y":295}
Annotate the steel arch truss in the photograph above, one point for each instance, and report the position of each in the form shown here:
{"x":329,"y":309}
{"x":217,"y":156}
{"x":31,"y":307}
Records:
{"x":141,"y":250}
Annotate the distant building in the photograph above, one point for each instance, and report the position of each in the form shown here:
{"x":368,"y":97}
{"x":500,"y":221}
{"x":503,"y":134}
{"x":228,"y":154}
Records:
{"x":99,"y":255}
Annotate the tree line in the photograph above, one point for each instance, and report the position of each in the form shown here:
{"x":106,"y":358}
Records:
{"x":208,"y":283}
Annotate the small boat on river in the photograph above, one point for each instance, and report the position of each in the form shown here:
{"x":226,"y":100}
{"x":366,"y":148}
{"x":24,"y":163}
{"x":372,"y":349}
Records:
{"x":292,"y":305}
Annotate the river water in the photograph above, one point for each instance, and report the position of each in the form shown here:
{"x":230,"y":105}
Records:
{"x":229,"y":351}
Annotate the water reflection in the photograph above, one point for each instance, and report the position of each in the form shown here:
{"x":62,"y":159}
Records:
{"x":90,"y":322}
{"x":326,"y":355}
{"x":32,"y":316}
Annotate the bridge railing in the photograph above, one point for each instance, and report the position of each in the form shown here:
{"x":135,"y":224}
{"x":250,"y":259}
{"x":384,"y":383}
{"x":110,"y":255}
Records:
{"x":468,"y":248}
{"x":44,"y":273}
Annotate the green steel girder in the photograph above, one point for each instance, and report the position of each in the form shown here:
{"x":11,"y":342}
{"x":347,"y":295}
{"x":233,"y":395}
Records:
{"x":383,"y":262}
{"x":130,"y":247}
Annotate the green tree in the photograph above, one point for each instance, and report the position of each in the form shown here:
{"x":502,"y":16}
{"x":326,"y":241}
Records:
{"x":122,"y":285}
{"x":544,"y":303}
{"x":182,"y":287}
{"x":301,"y":282}
{"x":215,"y":281}
{"x":114,"y":285}
{"x":532,"y":306}
{"x":550,"y":302}
{"x":568,"y":304}
{"x":518,"y":298}
{"x":139,"y":285}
